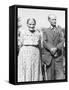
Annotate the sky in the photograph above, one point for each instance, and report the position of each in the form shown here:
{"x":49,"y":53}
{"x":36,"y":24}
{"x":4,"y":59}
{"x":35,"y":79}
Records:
{"x":41,"y":17}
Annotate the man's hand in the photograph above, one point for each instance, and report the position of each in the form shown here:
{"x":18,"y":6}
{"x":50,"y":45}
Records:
{"x":53,"y":50}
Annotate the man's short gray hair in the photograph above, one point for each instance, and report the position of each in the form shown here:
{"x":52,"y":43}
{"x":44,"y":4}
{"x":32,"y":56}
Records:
{"x":51,"y":15}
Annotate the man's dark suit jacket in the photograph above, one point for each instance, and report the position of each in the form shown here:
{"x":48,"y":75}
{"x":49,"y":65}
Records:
{"x":51,"y":39}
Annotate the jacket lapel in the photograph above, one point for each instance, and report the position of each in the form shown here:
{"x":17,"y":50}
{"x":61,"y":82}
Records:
{"x":51,"y":33}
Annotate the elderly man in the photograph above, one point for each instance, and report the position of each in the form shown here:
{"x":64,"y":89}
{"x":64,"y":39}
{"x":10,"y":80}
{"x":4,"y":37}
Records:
{"x":52,"y":51}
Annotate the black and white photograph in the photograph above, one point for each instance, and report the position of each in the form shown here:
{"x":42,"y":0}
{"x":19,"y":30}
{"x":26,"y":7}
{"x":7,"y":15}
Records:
{"x":41,"y":45}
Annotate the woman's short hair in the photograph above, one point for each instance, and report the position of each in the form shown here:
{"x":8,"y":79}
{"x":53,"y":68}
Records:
{"x":30,"y":19}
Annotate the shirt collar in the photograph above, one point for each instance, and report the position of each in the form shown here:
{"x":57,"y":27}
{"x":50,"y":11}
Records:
{"x":52,"y":27}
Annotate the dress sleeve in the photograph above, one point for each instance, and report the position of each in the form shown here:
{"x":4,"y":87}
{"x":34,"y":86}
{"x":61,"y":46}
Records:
{"x":41,"y":39}
{"x":20,"y":40}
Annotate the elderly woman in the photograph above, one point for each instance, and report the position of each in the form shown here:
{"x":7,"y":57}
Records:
{"x":29,"y":60}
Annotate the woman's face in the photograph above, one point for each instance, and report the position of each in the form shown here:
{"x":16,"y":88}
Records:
{"x":31,"y":25}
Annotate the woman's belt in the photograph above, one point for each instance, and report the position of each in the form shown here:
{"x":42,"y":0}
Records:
{"x":32,"y":45}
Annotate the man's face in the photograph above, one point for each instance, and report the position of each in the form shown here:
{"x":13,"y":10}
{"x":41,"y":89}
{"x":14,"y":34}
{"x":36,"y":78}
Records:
{"x":31,"y":25}
{"x":52,"y":21}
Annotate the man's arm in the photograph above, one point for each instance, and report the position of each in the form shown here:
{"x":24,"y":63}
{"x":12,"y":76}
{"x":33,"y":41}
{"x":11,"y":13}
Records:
{"x":61,"y":44}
